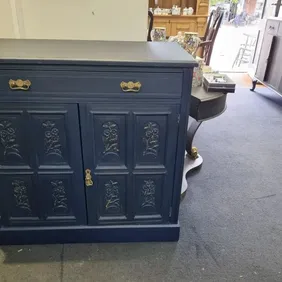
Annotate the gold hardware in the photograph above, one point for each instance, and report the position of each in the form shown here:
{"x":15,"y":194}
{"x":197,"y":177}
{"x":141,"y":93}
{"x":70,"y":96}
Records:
{"x":194,"y":153}
{"x":88,"y":178}
{"x":130,"y":86}
{"x":19,"y":84}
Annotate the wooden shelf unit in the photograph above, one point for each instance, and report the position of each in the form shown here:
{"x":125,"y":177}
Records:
{"x":174,"y":23}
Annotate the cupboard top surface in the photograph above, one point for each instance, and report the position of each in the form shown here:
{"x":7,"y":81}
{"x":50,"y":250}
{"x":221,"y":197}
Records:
{"x":123,"y":53}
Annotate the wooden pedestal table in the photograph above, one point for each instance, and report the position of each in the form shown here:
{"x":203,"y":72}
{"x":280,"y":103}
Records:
{"x":204,"y":106}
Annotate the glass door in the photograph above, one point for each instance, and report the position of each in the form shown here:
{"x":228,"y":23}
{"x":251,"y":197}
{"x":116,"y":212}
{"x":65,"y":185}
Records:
{"x":239,"y":38}
{"x":271,"y":8}
{"x":236,"y":40}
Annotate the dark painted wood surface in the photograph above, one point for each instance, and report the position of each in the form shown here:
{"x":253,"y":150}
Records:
{"x":41,"y":169}
{"x":104,"y":82}
{"x":130,"y":150}
{"x":89,"y":234}
{"x":76,"y":117}
{"x":206,"y":105}
{"x":165,"y":54}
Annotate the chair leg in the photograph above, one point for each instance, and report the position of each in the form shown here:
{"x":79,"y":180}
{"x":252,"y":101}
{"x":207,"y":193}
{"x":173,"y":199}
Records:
{"x":254,"y":85}
{"x":209,"y":56}
{"x":236,"y":59}
{"x":242,"y":55}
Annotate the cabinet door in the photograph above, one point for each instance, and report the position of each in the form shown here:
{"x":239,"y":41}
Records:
{"x":163,"y":22}
{"x":130,"y":151}
{"x":185,"y":26}
{"x":274,"y":60}
{"x":41,"y":167}
{"x":263,"y":62}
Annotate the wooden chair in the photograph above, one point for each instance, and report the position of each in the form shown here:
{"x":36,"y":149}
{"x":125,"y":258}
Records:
{"x":150,"y":25}
{"x":206,"y":46}
{"x":246,"y":50}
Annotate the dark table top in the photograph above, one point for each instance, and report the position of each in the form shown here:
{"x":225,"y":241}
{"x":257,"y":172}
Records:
{"x":164,"y":54}
{"x":206,"y":105}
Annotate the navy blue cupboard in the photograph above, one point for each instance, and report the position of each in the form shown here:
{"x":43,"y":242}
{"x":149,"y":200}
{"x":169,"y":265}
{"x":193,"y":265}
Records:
{"x":92,"y":139}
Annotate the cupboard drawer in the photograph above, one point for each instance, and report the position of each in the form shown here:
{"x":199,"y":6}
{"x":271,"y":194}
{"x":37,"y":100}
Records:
{"x":272,"y":27}
{"x":118,"y":83}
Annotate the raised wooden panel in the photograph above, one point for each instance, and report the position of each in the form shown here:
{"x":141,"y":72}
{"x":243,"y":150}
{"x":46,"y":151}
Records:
{"x":51,"y":145}
{"x":201,"y":25}
{"x":107,"y":199}
{"x":14,"y":150}
{"x":47,"y":187}
{"x":110,"y":139}
{"x":148,"y":193}
{"x":112,"y":191}
{"x":175,"y":24}
{"x":202,"y":7}
{"x":58,"y":200}
{"x":183,"y":27}
{"x":20,"y":205}
{"x":150,"y":138}
{"x":159,"y":22}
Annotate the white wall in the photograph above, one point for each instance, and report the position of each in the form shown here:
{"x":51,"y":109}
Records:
{"x":7,"y":25}
{"x":74,"y":19}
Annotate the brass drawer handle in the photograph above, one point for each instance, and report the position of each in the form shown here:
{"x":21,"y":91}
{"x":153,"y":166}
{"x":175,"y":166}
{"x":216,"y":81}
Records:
{"x":19,"y":84}
{"x":88,"y":178}
{"x":130,"y":86}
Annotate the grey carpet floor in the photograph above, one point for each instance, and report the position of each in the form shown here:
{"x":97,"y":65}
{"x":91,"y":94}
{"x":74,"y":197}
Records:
{"x":231,"y":217}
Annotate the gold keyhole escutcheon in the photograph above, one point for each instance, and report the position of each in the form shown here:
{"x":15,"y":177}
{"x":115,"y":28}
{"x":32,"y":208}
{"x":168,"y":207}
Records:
{"x":88,"y":178}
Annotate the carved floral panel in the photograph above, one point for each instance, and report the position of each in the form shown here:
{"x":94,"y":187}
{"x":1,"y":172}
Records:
{"x":151,"y":139}
{"x":110,"y":138}
{"x":148,"y":194}
{"x":52,"y":143}
{"x":59,"y":196}
{"x":21,"y":195}
{"x":112,"y":196}
{"x":8,"y":139}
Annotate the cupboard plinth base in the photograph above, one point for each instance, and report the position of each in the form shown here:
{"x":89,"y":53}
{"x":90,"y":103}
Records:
{"x":88,"y":234}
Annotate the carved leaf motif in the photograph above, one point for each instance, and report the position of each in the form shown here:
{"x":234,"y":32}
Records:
{"x":21,"y":195}
{"x":151,"y":139}
{"x":112,"y":197}
{"x":110,"y":138}
{"x":8,"y":139}
{"x":148,"y":193}
{"x":52,"y":139}
{"x":59,"y":196}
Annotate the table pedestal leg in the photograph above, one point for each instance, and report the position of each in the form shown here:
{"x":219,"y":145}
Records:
{"x":189,"y":165}
{"x":192,"y":151}
{"x":192,"y":160}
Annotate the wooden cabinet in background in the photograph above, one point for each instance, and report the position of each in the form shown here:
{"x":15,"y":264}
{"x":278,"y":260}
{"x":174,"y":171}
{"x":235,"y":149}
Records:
{"x":183,"y":26}
{"x":175,"y":23}
{"x":268,"y":68}
{"x":163,"y":22}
